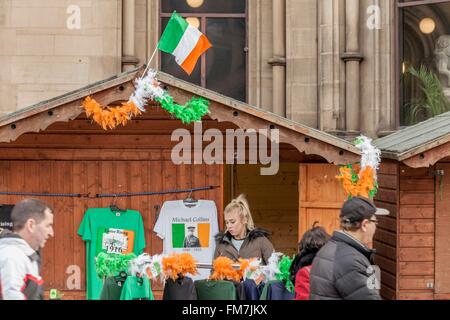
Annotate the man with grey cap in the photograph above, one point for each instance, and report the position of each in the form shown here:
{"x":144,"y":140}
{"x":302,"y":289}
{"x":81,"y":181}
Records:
{"x":342,"y":269}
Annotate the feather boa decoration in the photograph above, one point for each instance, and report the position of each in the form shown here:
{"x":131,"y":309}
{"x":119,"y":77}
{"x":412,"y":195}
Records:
{"x":109,"y":264}
{"x":110,"y":117}
{"x":147,"y":88}
{"x":179,"y":265}
{"x":140,"y":264}
{"x":284,"y":274}
{"x":362,"y":180}
{"x":223,"y":270}
{"x":271,"y":269}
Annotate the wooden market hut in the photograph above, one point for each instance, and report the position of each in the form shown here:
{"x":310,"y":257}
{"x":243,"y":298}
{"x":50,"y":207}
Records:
{"x":415,"y":185}
{"x":52,"y":147}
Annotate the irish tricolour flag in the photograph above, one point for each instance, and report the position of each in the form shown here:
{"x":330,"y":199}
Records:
{"x":183,"y":41}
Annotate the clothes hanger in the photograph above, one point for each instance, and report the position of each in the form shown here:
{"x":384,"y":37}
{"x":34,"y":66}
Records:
{"x":113,"y":207}
{"x":190,"y":201}
{"x":122,"y":277}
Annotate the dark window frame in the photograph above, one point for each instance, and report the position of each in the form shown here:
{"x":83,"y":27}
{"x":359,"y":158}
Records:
{"x":203,"y":17}
{"x":398,"y":39}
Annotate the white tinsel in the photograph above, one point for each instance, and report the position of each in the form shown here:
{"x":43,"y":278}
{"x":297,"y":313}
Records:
{"x":139,"y":264}
{"x":370,"y":155}
{"x":147,"y":88}
{"x":252,"y":271}
{"x":271,"y":269}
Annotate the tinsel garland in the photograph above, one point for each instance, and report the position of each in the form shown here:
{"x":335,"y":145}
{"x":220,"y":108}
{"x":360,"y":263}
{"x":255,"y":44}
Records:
{"x":192,"y":111}
{"x":361,"y":180}
{"x":179,"y":265}
{"x":284,"y":267}
{"x":110,"y":117}
{"x":147,"y":88}
{"x":223,"y":270}
{"x":109,"y":264}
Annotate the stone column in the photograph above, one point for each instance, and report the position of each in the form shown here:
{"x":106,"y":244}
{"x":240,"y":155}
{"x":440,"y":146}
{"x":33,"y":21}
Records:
{"x":278,"y":62}
{"x":129,"y":59}
{"x":352,"y":57}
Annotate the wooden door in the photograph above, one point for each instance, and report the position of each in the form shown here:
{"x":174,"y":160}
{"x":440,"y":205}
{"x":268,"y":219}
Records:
{"x":442,"y":229}
{"x":321,"y":197}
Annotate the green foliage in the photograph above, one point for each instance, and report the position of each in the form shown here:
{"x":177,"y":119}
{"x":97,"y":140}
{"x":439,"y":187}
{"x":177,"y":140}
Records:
{"x":433,"y":101}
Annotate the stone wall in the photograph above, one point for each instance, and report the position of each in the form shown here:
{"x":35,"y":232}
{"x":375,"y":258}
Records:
{"x":41,"y":58}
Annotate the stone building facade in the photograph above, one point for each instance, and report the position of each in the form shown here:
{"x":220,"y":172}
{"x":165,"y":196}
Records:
{"x":330,"y":64}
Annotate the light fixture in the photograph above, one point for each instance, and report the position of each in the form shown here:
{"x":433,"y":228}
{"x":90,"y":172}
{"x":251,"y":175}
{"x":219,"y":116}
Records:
{"x":193,"y":21}
{"x":404,"y":67}
{"x":195,"y":3}
{"x":427,"y":25}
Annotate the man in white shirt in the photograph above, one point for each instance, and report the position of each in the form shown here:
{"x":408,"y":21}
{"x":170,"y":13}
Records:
{"x":19,"y":250}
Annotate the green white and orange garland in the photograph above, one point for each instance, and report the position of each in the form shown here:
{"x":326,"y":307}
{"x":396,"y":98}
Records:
{"x":147,"y":88}
{"x":361,"y":179}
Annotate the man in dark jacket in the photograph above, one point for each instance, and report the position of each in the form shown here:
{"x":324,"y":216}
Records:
{"x":342,"y":269}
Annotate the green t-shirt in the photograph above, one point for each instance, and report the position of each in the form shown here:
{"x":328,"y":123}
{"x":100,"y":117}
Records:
{"x":112,"y":289}
{"x":107,"y":231}
{"x":137,"y":289}
{"x":215,"y":290}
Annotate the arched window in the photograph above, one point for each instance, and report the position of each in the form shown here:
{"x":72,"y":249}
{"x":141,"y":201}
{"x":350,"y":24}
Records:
{"x":424,"y":60}
{"x":224,"y":67}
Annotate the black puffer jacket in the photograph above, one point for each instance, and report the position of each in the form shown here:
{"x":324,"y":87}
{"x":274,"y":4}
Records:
{"x":340,"y":271}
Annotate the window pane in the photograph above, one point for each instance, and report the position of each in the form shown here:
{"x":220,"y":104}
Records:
{"x":226,"y":60}
{"x":204,"y":6}
{"x":425,"y":43}
{"x":170,"y":66}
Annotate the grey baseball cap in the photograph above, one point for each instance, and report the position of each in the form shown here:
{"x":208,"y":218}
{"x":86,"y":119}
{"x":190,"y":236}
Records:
{"x":357,"y":209}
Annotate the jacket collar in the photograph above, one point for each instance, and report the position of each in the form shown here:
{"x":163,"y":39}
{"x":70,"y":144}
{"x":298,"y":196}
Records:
{"x":355,"y":243}
{"x":11,"y":238}
{"x":225,"y":238}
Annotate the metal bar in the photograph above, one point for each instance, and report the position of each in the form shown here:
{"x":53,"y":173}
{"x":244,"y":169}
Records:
{"x":210,"y":266}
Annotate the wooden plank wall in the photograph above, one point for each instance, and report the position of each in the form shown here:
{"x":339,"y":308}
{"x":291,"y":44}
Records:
{"x":67,"y":248}
{"x":321,"y":197}
{"x":442,"y":236}
{"x":273,"y":201}
{"x":79,"y":157}
{"x":385,"y":241}
{"x":416,"y":234}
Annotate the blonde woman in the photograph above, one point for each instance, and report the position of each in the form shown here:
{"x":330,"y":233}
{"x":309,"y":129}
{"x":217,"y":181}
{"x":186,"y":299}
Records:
{"x":241,"y":239}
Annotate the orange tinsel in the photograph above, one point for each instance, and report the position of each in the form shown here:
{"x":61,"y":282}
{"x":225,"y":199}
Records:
{"x":223,"y":270}
{"x":176,"y":265}
{"x":111,"y":117}
{"x":346,"y":180}
{"x":364,"y":184}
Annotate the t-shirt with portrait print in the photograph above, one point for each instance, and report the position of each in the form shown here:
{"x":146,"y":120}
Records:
{"x":189,"y":230}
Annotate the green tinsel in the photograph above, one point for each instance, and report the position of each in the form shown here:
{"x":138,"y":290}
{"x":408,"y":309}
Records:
{"x":192,"y":111}
{"x":109,"y":264}
{"x":284,"y":266}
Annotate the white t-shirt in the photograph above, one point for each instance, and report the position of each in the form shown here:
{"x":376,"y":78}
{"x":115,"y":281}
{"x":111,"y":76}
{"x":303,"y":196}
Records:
{"x":189,"y":230}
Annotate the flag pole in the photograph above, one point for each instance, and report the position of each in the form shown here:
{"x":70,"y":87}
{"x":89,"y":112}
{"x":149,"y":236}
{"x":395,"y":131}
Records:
{"x":148,"y":64}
